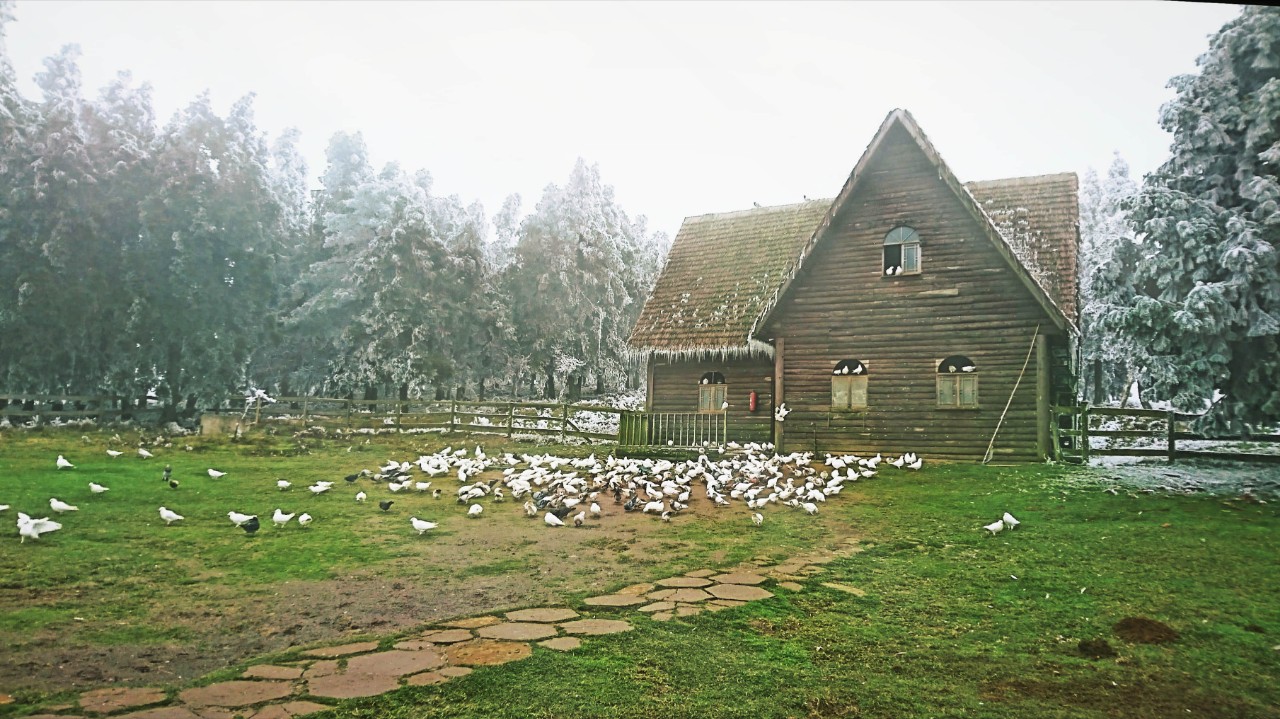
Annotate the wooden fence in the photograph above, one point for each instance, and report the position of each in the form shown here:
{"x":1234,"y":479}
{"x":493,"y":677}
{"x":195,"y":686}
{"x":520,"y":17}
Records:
{"x":1072,"y":444}
{"x":509,"y":418}
{"x":42,"y":408}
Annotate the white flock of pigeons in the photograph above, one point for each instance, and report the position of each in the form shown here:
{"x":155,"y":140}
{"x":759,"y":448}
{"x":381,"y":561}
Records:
{"x":568,"y":490}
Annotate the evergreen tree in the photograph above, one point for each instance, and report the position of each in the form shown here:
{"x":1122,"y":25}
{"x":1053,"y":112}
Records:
{"x":1103,"y":226}
{"x":1207,"y":280}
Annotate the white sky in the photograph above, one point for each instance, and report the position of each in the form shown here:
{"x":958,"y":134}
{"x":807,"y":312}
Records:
{"x":688,"y":108}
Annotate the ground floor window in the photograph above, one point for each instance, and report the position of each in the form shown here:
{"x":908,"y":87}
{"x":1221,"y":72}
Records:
{"x":957,"y":382}
{"x":713,"y":393}
{"x":849,"y":385}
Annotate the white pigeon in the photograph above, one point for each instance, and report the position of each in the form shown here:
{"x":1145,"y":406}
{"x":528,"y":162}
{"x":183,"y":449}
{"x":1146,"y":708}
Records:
{"x":968,"y":368}
{"x":3,"y":507}
{"x":422,"y":486}
{"x":422,"y":525}
{"x":144,"y":453}
{"x":318,"y":488}
{"x":916,"y":464}
{"x":475,"y":510}
{"x":899,"y":461}
{"x":595,"y":510}
{"x":1009,"y":521}
{"x":579,"y":518}
{"x":238,"y":518}
{"x":60,"y":506}
{"x":280,"y":518}
{"x":653,"y":507}
{"x":360,"y":496}
{"x":304,"y":520}
{"x":781,"y":412}
{"x":724,"y":406}
{"x":809,"y":507}
{"x":757,"y":519}
{"x":64,"y":464}
{"x":552,"y":520}
{"x":169,"y":516}
{"x":994,"y":527}
{"x":215,"y":474}
{"x":113,"y":453}
{"x":97,"y":488}
{"x":283,"y":484}
{"x":33,"y":528}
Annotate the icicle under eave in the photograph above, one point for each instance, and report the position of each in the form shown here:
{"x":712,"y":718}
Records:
{"x":753,"y":348}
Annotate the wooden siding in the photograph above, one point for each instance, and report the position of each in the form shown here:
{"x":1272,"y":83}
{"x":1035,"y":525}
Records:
{"x":966,"y":301}
{"x":674,"y":388}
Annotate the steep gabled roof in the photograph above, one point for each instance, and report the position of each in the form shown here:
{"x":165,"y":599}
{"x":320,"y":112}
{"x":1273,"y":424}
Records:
{"x":726,"y":272}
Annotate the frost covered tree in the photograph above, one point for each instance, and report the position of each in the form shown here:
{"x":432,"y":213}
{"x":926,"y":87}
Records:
{"x":581,"y":271}
{"x":1206,"y":278}
{"x":1104,"y":226}
{"x":204,"y":265}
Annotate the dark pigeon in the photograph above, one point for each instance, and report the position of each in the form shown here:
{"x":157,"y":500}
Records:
{"x":250,"y":526}
{"x":385,"y":504}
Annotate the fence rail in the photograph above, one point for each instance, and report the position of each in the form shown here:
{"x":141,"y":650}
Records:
{"x":1170,"y":427}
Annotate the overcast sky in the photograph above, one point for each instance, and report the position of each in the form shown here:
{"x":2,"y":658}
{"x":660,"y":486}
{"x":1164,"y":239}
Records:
{"x":688,"y":108}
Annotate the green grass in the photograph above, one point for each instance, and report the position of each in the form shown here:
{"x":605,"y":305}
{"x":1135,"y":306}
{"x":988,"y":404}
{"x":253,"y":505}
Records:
{"x":944,"y":629}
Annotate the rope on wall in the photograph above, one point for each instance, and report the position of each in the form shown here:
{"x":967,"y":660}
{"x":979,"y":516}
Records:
{"x":991,"y":445}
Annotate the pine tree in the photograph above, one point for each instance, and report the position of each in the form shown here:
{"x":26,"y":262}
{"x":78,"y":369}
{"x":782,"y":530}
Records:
{"x":1103,"y":226}
{"x":1207,"y":304}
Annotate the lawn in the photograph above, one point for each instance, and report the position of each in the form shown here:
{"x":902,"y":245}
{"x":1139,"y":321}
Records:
{"x":953,"y":622}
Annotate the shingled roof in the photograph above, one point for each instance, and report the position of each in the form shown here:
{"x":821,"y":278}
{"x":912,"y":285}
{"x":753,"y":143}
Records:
{"x":726,"y":271}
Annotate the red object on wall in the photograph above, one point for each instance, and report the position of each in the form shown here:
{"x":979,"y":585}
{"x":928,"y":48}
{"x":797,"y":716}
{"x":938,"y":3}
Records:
{"x":752,"y":401}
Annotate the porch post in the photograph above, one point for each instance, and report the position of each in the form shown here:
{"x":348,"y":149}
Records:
{"x":778,"y":395}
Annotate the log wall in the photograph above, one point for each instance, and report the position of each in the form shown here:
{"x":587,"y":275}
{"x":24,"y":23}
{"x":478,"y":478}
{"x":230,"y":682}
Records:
{"x":674,"y":388}
{"x":966,"y":301}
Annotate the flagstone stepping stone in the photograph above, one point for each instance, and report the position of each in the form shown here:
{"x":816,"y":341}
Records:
{"x":727,"y":603}
{"x":426,"y":679}
{"x":661,"y":595}
{"x":235,"y":693}
{"x":341,"y":651}
{"x":271,"y":671}
{"x":677,"y":582}
{"x":845,"y":588}
{"x":562,"y":644}
{"x":657,"y":607}
{"x":471,"y":622}
{"x":49,"y":716}
{"x":662,"y":616}
{"x":615,"y":600}
{"x":452,"y":672}
{"x":517,"y":631}
{"x":217,"y":713}
{"x":739,"y":578}
{"x":349,"y":686}
{"x":689,"y":595}
{"x":596,"y":626}
{"x":546,"y":614}
{"x":413,"y":645}
{"x":811,"y":570}
{"x":488,"y":653}
{"x":684,"y":610}
{"x":289,"y":709}
{"x":161,"y":713}
{"x":739,"y":592}
{"x":395,"y":663}
{"x":700,"y":573}
{"x":105,"y":701}
{"x":636,"y":590}
{"x":321,"y":669}
{"x":791,"y":586}
{"x":713,"y":607}
{"x":448,"y":636}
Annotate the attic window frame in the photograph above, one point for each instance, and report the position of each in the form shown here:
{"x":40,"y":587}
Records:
{"x":953,"y":387}
{"x":900,"y":243}
{"x":853,"y":387}
{"x":713,"y":393}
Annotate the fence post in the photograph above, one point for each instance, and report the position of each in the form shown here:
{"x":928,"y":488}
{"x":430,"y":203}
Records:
{"x":304,"y":411}
{"x":348,"y":403}
{"x":564,"y":420}
{"x":1172,"y":442}
{"x":1084,"y":435}
{"x":453,"y":415}
{"x":511,"y":419}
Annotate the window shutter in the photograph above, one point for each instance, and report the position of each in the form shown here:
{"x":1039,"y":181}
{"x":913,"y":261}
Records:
{"x":946,"y":391}
{"x":968,"y":391}
{"x":840,"y":392}
{"x":911,"y":258}
{"x":858,"y":392}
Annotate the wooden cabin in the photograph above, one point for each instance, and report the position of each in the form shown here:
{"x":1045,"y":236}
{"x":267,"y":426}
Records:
{"x":910,"y":313}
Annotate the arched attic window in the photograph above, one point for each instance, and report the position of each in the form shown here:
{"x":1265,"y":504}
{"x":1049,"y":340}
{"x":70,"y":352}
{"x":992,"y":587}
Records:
{"x":902,"y":252}
{"x":849,"y":385}
{"x":713,"y":393}
{"x":957,"y":383}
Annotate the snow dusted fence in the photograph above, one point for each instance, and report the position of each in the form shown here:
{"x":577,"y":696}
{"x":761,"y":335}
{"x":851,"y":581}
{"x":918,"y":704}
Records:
{"x":1148,"y":427}
{"x":57,"y":409}
{"x":589,"y":422}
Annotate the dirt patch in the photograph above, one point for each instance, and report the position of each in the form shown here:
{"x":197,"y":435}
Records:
{"x":1153,"y":698}
{"x":1096,"y":648}
{"x":1141,"y":630}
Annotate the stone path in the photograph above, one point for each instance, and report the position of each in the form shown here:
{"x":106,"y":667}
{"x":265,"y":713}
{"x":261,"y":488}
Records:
{"x":437,"y":654}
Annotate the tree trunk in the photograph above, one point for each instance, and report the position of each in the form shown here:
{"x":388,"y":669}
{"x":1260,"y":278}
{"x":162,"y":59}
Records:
{"x":480,"y":389}
{"x":1098,"y":397}
{"x":371,"y":392}
{"x":599,"y":383}
{"x":549,"y":389}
